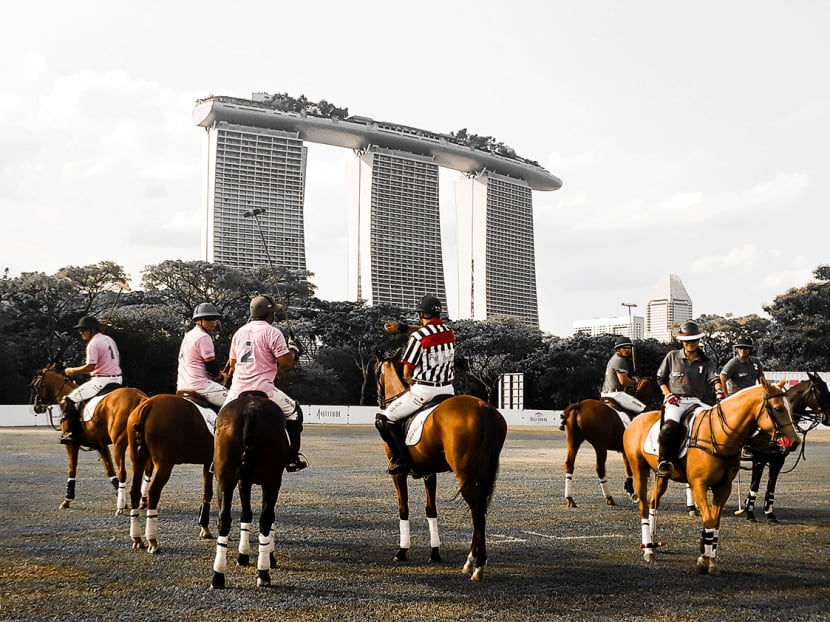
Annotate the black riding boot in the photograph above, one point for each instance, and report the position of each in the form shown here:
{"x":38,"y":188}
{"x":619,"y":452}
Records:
{"x":74,"y":430}
{"x":392,"y":434}
{"x":294,"y":427}
{"x":671,"y":436}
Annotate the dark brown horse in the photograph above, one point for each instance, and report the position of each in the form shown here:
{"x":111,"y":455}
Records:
{"x":712,"y":459}
{"x":163,"y":431}
{"x":251,"y":447}
{"x":464,"y":435}
{"x":810,"y":401}
{"x":108,"y":425}
{"x":598,"y":423}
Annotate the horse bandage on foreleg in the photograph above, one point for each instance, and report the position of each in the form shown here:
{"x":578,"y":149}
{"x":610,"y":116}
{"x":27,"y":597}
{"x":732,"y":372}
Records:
{"x":569,"y":481}
{"x":645,"y":529}
{"x":121,"y":501}
{"x":70,"y":488}
{"x":434,"y":539}
{"x":603,"y":485}
{"x":220,"y":562}
{"x":769,"y":501}
{"x":135,"y":524}
{"x":652,"y":518}
{"x":266,"y":546}
{"x":708,"y":543}
{"x":151,"y":529}
{"x":145,"y":484}
{"x":405,"y":538}
{"x":244,"y":538}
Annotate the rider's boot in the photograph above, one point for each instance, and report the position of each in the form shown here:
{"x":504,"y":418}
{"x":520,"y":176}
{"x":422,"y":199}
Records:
{"x":671,"y":435}
{"x":74,"y":431}
{"x":296,"y":461}
{"x":392,"y":433}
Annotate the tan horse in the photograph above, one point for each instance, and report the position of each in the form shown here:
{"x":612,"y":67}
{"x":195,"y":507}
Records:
{"x":464,"y":435}
{"x":712,"y":460}
{"x":163,"y":431}
{"x":598,"y":423}
{"x":108,"y":425}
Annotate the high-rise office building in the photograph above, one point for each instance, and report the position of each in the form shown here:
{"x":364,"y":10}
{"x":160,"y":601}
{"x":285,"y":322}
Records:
{"x":259,"y":172}
{"x":669,"y":307}
{"x":394,"y":228}
{"x":496,"y":256}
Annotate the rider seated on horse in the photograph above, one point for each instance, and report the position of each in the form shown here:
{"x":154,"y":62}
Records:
{"x":103,"y":364}
{"x":258,"y":351}
{"x":684,"y":377}
{"x":198,"y":367}
{"x":620,"y":381}
{"x":429,"y":370}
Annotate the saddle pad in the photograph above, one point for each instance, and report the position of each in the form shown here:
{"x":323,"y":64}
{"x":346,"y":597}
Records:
{"x":416,"y":425}
{"x":623,"y":417}
{"x":208,"y":415}
{"x":652,"y":446}
{"x":90,"y":406}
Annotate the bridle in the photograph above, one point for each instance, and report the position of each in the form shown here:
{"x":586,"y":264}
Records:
{"x":39,"y":404}
{"x":383,"y":401}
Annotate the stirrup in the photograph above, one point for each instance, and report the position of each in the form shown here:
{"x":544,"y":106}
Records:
{"x":68,"y":439}
{"x":665,"y":468}
{"x":398,"y":468}
{"x":297,"y":465}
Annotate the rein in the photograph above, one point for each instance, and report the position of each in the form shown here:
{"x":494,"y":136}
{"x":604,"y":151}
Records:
{"x":384,"y":401}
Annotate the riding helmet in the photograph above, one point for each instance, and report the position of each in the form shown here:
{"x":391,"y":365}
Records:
{"x":88,"y":322}
{"x":689,"y":331}
{"x":205,"y":311}
{"x":430,"y":305}
{"x":623,"y":342}
{"x":745,"y":342}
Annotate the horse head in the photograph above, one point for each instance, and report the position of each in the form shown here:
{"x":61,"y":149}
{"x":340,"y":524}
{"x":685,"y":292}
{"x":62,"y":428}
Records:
{"x":819,"y":397}
{"x":775,"y":417}
{"x":48,"y":386}
{"x":390,"y":378}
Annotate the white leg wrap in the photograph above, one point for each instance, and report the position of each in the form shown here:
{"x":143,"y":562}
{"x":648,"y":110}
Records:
{"x":603,"y":484}
{"x":244,"y":541}
{"x":220,"y":562}
{"x":715,"y":535}
{"x":145,"y":484}
{"x":135,"y":524}
{"x":434,"y":540}
{"x":645,"y":528}
{"x":121,"y":501}
{"x":569,"y":479}
{"x":652,"y":517}
{"x":690,"y":498}
{"x":151,"y":529}
{"x":405,"y":539}
{"x":266,"y":546}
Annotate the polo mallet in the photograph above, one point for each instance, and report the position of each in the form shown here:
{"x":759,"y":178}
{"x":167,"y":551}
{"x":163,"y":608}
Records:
{"x":255,"y":214}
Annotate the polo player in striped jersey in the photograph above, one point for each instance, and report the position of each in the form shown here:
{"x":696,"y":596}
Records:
{"x":429,"y":369}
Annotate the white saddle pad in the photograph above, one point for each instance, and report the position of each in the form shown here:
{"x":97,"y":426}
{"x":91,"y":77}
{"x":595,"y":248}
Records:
{"x":90,"y":406}
{"x":624,"y":417}
{"x":413,"y":434}
{"x":208,"y":415}
{"x":651,"y":446}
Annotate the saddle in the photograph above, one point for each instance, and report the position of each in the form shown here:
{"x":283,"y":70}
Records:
{"x":427,"y":406}
{"x":197,"y":399}
{"x":109,"y":388}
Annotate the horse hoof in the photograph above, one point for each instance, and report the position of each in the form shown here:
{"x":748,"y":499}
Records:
{"x":204,"y":534}
{"x":114,"y":482}
{"x":119,"y":512}
{"x":702,"y":564}
{"x":243,"y":560}
{"x":263,"y":578}
{"x":400,"y":556}
{"x":153,"y":546}
{"x":771,"y":518}
{"x":693,"y":511}
{"x":648,"y":555}
{"x":714,"y":569}
{"x":218,"y":581}
{"x":143,"y":504}
{"x":435,"y":556}
{"x":750,"y":516}
{"x":478,"y":574}
{"x":65,"y":504}
{"x":138,"y":543}
{"x":634,"y":497}
{"x":610,"y":501}
{"x":571,"y":502}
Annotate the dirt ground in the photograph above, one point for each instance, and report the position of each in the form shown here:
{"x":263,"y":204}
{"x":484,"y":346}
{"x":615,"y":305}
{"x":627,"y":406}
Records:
{"x":337,"y":530}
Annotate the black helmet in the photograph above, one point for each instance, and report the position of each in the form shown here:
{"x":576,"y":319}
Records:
{"x":205,"y":311}
{"x":430,"y":305}
{"x":261,"y":306}
{"x":623,"y":342}
{"x":88,"y":322}
{"x":745,"y":342}
{"x":689,"y":331}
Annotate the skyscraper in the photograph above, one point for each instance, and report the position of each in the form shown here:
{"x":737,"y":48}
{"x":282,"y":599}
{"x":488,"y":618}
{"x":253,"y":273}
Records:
{"x":394,"y":228}
{"x":253,"y":168}
{"x":669,"y":307}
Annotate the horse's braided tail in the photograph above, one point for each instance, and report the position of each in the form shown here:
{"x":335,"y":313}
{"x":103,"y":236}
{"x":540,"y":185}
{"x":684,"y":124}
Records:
{"x":138,"y":431}
{"x":249,"y":437}
{"x":566,"y":414}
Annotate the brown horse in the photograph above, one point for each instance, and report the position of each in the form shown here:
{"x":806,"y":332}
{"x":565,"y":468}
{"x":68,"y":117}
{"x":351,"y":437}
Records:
{"x":712,"y":459}
{"x":251,"y":447}
{"x":108,"y":425}
{"x":163,"y":431}
{"x":598,"y":423}
{"x":464,"y":435}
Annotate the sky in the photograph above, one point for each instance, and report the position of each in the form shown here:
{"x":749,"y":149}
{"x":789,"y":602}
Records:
{"x":691,"y":138}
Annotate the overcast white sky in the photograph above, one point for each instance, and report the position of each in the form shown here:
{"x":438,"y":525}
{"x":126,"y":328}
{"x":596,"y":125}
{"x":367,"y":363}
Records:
{"x":692,"y":138}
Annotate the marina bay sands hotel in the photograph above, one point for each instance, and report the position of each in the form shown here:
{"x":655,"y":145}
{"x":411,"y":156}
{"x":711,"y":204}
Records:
{"x":255,"y":163}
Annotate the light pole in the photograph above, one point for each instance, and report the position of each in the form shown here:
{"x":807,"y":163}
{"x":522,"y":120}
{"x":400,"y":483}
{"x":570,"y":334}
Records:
{"x":631,"y":333}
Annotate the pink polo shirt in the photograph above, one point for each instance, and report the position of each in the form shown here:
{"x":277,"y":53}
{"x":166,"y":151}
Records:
{"x":197,"y":347}
{"x":102,"y":352}
{"x":256,"y":347}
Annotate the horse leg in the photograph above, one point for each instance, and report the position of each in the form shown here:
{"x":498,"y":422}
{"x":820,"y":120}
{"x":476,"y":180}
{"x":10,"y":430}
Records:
{"x":758,"y":465}
{"x":109,"y":468}
{"x":72,"y":456}
{"x":477,"y":557}
{"x":245,"y":520}
{"x":220,"y":562}
{"x":602,"y":456}
{"x":573,"y":444}
{"x":430,"y":484}
{"x":648,"y":516}
{"x":161,"y":475}
{"x":711,"y":514}
{"x":137,"y":475}
{"x":776,"y":463}
{"x":403,"y":514}
{"x":628,"y":486}
{"x":691,"y":506}
{"x":119,"y":450}
{"x":265,"y":560}
{"x":145,"y":484}
{"x":207,"y":496}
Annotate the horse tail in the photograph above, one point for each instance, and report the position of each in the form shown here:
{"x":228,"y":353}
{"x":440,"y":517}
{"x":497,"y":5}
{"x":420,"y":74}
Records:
{"x":139,"y":427}
{"x":570,"y":409}
{"x":486,"y":468}
{"x":249,"y":436}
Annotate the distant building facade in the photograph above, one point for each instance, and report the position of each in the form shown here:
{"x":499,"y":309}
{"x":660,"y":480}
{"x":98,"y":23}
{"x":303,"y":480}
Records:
{"x":669,"y":307}
{"x":620,"y":325}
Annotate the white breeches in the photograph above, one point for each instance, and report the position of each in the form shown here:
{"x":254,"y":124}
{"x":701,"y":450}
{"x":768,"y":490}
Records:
{"x":92,"y":387}
{"x":411,"y":401}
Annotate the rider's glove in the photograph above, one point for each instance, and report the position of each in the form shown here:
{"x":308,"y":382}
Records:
{"x":295,"y":348}
{"x":719,"y":395}
{"x":671,"y":400}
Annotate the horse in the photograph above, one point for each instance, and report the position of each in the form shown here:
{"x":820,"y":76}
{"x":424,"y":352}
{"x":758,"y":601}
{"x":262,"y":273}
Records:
{"x":464,"y":435}
{"x":108,"y":426}
{"x":250,"y":447}
{"x":810,"y":401}
{"x":599,"y":423}
{"x":712,"y":459}
{"x":163,"y":431}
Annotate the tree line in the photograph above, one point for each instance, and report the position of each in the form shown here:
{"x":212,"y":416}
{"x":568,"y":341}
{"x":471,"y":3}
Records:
{"x":343,"y":338}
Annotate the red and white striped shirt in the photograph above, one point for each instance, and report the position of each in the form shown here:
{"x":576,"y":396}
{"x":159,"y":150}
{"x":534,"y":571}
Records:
{"x":430,"y":352}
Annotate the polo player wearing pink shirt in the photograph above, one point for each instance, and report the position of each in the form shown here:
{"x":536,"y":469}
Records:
{"x":103,"y":364}
{"x":258,"y":351}
{"x":197,"y":357}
